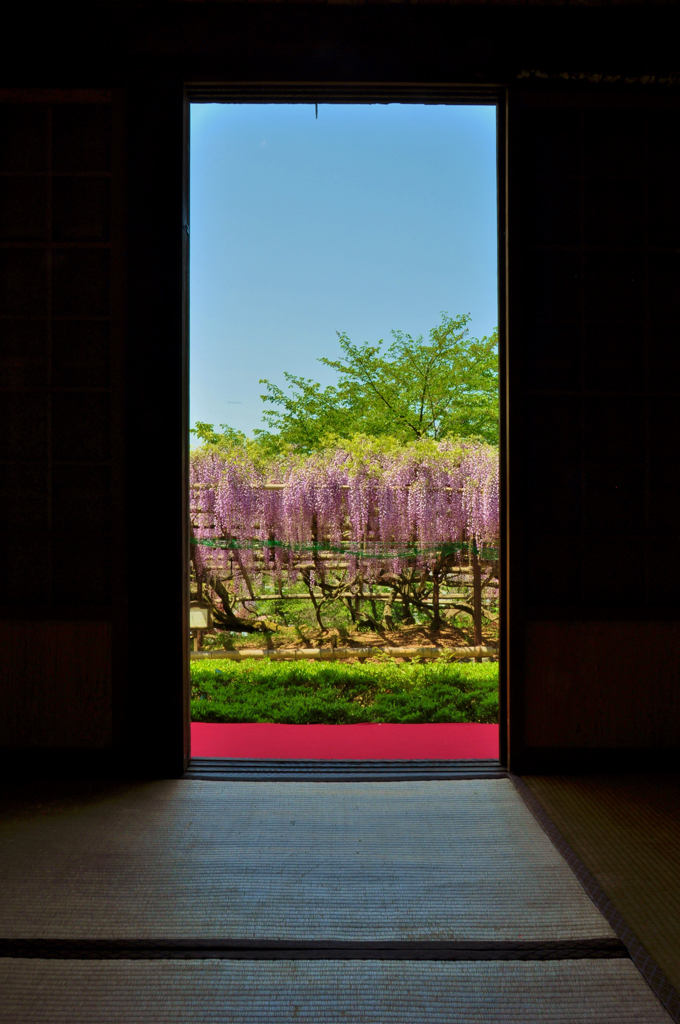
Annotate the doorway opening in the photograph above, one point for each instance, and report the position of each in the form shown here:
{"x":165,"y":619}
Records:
{"x":344,"y":414}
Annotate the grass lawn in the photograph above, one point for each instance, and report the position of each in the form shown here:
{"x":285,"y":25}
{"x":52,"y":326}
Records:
{"x":306,"y":693}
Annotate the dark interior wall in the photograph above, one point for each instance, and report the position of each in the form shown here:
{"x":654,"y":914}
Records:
{"x":595,"y":424}
{"x":94,"y":426}
{"x":94,"y":418}
{"x":62,"y":418}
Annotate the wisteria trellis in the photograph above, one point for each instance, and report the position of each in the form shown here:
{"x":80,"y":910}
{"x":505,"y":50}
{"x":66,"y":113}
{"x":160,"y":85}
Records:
{"x":381,"y":513}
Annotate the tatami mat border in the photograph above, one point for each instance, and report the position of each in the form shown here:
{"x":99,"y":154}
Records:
{"x":648,"y":967}
{"x":256,"y":949}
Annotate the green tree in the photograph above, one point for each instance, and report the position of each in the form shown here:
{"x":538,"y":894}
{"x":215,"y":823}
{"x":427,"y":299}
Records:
{"x":230,"y":438}
{"x":410,"y":389}
{"x":238,"y":445}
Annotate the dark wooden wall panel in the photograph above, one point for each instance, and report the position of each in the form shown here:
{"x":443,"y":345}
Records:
{"x":603,"y":685}
{"x":594,"y":424}
{"x":57,"y":692}
{"x":55,"y":360}
{"x":60,"y":406}
{"x":157,"y":401}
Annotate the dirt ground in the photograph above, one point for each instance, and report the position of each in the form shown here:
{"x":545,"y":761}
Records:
{"x":291,"y":637}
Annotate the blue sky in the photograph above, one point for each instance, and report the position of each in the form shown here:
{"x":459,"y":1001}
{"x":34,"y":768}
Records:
{"x":369,"y":219}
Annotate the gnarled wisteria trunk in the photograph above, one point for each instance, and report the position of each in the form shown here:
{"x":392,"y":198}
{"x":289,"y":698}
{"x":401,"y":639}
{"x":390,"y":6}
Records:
{"x":405,"y":520}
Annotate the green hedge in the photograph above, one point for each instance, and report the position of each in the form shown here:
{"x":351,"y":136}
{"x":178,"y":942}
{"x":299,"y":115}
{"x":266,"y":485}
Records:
{"x":336,"y":693}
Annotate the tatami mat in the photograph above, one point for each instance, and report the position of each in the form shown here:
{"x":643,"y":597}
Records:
{"x":381,"y":861}
{"x":626,"y":830}
{"x":169,"y":992}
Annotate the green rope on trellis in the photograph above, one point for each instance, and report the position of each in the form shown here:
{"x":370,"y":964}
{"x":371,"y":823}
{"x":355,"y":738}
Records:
{"x":486,"y":553}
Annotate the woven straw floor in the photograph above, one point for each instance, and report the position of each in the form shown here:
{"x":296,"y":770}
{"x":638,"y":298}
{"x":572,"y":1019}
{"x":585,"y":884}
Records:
{"x":461,"y":860}
{"x":568,"y":992}
{"x":396,"y":861}
{"x":626,"y":830}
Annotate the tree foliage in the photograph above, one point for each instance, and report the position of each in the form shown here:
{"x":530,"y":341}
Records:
{"x":408,"y":390}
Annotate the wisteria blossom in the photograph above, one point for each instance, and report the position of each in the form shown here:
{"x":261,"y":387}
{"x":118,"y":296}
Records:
{"x":379,"y":510}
